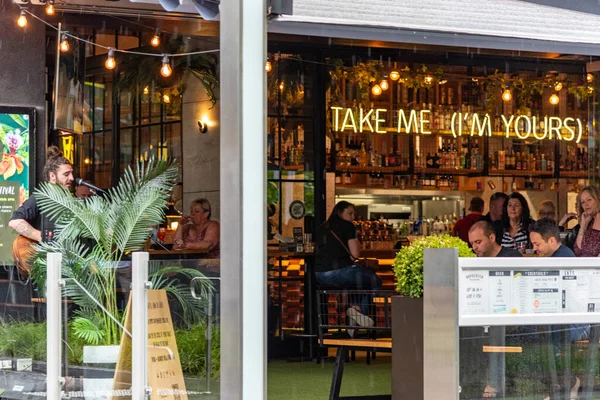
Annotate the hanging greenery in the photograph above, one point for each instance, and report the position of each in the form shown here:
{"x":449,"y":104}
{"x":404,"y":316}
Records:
{"x":139,"y":72}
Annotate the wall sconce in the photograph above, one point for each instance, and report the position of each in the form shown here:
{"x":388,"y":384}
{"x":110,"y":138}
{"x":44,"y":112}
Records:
{"x":202,"y":126}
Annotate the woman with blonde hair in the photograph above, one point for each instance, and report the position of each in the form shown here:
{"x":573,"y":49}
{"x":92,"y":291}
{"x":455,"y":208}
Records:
{"x":587,"y":242}
{"x":198,"y":231}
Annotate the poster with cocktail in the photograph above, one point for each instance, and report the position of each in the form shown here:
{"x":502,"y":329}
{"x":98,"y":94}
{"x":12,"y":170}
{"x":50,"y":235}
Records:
{"x":17,"y":132}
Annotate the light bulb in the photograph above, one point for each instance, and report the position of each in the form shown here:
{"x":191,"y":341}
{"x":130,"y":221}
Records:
{"x":155,"y":41}
{"x":167,"y":98}
{"x":64,"y":44}
{"x":268,"y":66}
{"x":428,"y":80}
{"x":589,"y":78}
{"x":558,"y":86}
{"x":146,"y":90}
{"x":384,"y":84}
{"x":507,"y":95}
{"x":394,"y":75}
{"x":554,"y":99}
{"x":281,"y":86}
{"x":376,"y":90}
{"x":22,"y":21}
{"x":50,"y":8}
{"x":86,"y":160}
{"x":165,"y":70}
{"x":110,"y":61}
{"x":590,"y":89}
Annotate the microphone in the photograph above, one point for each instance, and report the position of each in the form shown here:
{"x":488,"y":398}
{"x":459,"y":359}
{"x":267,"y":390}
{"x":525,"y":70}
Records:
{"x":81,"y":182}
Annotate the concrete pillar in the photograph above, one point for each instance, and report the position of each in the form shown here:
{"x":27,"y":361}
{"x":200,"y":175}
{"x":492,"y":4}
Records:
{"x":23,"y":76}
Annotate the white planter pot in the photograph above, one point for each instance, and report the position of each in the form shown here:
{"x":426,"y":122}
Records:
{"x":99,"y":388}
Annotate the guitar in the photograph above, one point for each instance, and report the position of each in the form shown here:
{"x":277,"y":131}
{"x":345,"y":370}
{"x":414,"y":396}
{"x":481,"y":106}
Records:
{"x":22,"y":252}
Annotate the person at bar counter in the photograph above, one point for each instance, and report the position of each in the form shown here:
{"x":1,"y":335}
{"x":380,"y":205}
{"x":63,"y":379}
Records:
{"x":587,"y":242}
{"x":546,"y":209}
{"x":516,"y":220}
{"x":337,"y":250}
{"x":494,"y":216}
{"x":197,"y":230}
{"x":545,"y":238}
{"x":27,"y":220}
{"x":462,"y":226}
{"x":482,"y":237}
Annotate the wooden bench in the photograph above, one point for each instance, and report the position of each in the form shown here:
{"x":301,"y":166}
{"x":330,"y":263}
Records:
{"x":342,"y":347}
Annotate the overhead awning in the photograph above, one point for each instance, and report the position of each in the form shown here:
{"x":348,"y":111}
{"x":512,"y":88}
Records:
{"x":505,"y":24}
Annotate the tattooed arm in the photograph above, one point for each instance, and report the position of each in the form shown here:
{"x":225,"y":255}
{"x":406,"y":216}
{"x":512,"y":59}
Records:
{"x":23,"y":228}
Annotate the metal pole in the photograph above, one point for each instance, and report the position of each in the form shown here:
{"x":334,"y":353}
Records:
{"x":139,"y":326}
{"x":53,"y":325}
{"x":56,"y":75}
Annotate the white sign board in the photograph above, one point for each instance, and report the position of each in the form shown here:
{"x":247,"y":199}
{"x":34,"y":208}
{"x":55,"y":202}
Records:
{"x":528,"y":291}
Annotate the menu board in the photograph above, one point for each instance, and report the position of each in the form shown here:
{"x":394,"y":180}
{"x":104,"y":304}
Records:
{"x":529,"y":291}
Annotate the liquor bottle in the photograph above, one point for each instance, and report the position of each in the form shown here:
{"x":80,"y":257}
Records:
{"x":518,"y":163}
{"x":391,"y":158}
{"x":544,"y":165}
{"x":363,"y":156}
{"x":429,"y":161}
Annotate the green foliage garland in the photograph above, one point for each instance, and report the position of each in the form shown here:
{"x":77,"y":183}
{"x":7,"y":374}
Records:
{"x":408,"y":264}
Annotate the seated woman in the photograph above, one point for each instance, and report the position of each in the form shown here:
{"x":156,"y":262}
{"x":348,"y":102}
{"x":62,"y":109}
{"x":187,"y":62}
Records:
{"x":198,"y":231}
{"x":516,"y":220}
{"x":587,"y":241}
{"x":337,"y":250}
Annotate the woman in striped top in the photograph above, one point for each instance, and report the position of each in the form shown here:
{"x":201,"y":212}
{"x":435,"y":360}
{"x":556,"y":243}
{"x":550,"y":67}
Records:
{"x":516,"y":220}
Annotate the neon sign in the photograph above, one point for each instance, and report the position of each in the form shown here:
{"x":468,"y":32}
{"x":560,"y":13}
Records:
{"x":473,"y":124}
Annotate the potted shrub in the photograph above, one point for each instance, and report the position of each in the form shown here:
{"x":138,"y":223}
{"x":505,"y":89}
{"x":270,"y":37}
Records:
{"x":407,"y":313}
{"x":96,"y":235}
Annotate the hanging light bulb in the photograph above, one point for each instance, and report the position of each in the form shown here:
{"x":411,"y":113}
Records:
{"x":165,"y":70}
{"x":506,"y":95}
{"x":155,"y":41}
{"x":394,"y":75}
{"x":558,"y":86}
{"x":384,"y":83}
{"x":22,"y":21}
{"x":50,"y":7}
{"x":376,"y":90}
{"x":64,"y":44}
{"x":281,"y":85}
{"x":428,"y":80}
{"x":589,"y":78}
{"x":554,"y":99}
{"x":268,"y":66}
{"x":167,"y":98}
{"x":146,"y":90}
{"x":590,"y":89}
{"x":110,"y":61}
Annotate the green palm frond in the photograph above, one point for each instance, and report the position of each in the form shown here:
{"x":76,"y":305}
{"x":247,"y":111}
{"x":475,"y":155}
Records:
{"x":87,"y":330}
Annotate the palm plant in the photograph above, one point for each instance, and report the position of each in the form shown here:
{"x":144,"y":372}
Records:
{"x":95,"y":234}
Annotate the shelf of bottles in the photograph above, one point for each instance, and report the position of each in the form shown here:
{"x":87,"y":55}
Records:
{"x":285,"y":145}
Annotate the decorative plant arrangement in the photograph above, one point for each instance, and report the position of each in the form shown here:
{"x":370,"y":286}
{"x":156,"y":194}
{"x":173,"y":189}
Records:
{"x":94,"y":235}
{"x":408,"y":264}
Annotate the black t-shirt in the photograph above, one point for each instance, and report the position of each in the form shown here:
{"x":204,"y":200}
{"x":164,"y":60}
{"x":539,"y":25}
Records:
{"x":508,"y":252}
{"x":30,"y":212}
{"x":330,"y":252}
{"x":498,"y":227}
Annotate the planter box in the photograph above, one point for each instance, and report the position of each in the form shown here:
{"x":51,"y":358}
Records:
{"x":407,"y":348}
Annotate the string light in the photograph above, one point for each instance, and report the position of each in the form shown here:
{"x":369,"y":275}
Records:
{"x":22,"y":21}
{"x":376,"y":90}
{"x":394,"y":75}
{"x":507,"y":95}
{"x":384,"y":83}
{"x":589,"y":78}
{"x":268,"y":67}
{"x":146,"y":90}
{"x":428,"y":80}
{"x":166,"y":98}
{"x":110,"y":61}
{"x":50,"y":7}
{"x":590,"y":89}
{"x":554,"y":99}
{"x":558,"y":86}
{"x":155,"y":41}
{"x":64,"y":44}
{"x":281,"y":85}
{"x":165,"y":70}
